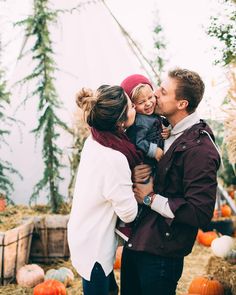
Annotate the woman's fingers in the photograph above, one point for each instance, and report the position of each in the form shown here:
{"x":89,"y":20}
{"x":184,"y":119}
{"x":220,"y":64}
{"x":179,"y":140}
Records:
{"x":141,"y":173}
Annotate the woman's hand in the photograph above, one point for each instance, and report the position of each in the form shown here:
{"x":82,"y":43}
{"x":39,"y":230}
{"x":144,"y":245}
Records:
{"x":141,"y":173}
{"x":142,"y":190}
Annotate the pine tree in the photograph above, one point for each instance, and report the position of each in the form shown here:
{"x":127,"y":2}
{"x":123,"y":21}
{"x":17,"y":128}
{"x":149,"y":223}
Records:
{"x":223,"y":28}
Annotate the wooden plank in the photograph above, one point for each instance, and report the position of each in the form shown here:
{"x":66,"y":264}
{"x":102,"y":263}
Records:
{"x":2,"y":235}
{"x":10,"y":254}
{"x":24,"y":239}
{"x":57,"y":235}
{"x":38,"y":248}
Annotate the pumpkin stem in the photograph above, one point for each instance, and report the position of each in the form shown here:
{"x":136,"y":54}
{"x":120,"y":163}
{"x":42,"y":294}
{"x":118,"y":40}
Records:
{"x":210,"y":277}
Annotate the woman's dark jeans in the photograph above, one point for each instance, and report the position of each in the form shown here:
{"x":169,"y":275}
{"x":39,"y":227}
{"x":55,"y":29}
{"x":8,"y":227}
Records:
{"x":147,"y":274}
{"x":99,"y":283}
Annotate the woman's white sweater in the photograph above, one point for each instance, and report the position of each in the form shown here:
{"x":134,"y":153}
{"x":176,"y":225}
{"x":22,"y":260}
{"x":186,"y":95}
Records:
{"x":103,"y":191}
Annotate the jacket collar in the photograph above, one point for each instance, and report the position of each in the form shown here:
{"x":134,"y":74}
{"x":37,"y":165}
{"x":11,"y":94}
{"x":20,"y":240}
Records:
{"x":188,"y":138}
{"x":186,"y":123}
{"x":179,"y":128}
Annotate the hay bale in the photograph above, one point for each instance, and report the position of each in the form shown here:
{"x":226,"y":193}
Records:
{"x":224,"y":272}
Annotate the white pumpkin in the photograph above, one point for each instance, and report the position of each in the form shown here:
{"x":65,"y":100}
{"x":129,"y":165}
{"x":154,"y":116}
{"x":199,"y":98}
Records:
{"x":63,"y":274}
{"x":29,"y":275}
{"x":222,"y":245}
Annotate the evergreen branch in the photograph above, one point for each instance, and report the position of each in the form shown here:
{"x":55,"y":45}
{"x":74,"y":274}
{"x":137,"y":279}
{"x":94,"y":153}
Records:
{"x":37,"y":27}
{"x":6,"y":169}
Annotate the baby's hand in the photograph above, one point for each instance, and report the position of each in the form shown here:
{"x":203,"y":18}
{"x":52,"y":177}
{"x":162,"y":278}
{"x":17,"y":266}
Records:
{"x":165,"y":133}
{"x":159,"y":154}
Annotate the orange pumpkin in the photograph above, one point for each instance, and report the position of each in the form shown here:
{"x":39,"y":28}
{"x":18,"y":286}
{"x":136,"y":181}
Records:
{"x":206,"y":286}
{"x":117,"y":263}
{"x":226,"y":210}
{"x":50,"y":287}
{"x":206,"y":238}
{"x":2,"y":203}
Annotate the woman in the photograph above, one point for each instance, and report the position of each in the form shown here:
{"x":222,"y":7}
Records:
{"x":103,"y":189}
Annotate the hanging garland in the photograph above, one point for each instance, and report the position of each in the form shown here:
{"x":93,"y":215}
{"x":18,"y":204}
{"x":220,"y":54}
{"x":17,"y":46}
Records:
{"x":37,"y":28}
{"x":6,"y":169}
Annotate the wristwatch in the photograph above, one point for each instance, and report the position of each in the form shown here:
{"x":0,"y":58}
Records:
{"x":148,"y":199}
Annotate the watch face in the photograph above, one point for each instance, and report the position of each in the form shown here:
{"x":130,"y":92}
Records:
{"x":147,"y":200}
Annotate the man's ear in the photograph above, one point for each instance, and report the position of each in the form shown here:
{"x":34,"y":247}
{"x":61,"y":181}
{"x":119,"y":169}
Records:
{"x":182,"y":104}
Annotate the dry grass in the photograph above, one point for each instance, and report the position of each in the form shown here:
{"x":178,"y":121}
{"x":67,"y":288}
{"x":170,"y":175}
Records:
{"x":195,"y":264}
{"x":13,"y":215}
{"x":224,"y":272}
{"x":199,"y":262}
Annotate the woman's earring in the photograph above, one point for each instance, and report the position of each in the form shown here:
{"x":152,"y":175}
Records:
{"x":121,"y":126}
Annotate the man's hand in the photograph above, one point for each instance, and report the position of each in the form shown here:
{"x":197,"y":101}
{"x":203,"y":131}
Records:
{"x":142,"y":190}
{"x":141,"y":173}
{"x":165,"y":132}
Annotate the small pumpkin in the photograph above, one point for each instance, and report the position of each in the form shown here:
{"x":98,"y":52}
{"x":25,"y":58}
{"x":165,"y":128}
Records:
{"x":50,"y":287}
{"x":63,"y":274}
{"x":206,"y":286}
{"x":226,"y":211}
{"x":29,"y":275}
{"x":117,"y":263}
{"x":206,"y":238}
{"x":222,"y":245}
{"x":2,"y":202}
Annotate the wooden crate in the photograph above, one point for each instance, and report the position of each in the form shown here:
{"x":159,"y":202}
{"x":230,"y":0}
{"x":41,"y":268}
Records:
{"x":49,"y":240}
{"x":14,"y":250}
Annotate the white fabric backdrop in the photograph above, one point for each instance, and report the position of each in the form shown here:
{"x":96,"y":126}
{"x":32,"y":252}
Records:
{"x":90,"y":51}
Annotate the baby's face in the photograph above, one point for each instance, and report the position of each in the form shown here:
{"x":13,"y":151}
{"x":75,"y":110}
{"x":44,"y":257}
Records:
{"x":146,"y":101}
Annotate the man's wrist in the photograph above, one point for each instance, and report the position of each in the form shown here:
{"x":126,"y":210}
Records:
{"x":148,"y":199}
{"x":153,"y":196}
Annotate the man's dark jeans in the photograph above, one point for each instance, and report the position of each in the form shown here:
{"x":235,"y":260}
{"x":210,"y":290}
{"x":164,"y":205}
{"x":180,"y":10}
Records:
{"x":99,"y":283}
{"x":147,"y":274}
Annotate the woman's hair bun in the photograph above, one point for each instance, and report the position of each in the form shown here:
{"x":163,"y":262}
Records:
{"x":84,"y":96}
{"x":86,"y":100}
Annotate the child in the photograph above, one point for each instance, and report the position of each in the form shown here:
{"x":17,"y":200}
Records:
{"x":148,"y":131}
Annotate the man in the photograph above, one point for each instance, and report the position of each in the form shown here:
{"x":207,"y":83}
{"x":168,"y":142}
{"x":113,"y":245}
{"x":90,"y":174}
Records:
{"x":183,"y":197}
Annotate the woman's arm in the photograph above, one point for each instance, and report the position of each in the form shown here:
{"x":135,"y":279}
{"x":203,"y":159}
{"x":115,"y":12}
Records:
{"x":118,"y":188}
